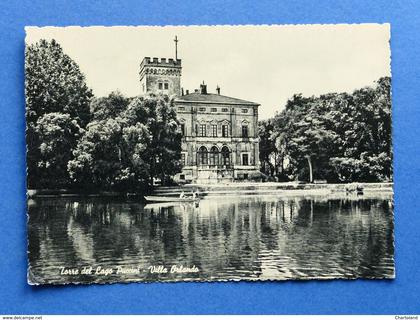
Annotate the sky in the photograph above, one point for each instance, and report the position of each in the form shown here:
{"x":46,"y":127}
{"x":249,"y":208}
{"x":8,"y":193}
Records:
{"x":263,"y":64}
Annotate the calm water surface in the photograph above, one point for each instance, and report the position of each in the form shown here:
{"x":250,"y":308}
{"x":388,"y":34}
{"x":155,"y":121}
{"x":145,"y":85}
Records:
{"x":250,"y":238}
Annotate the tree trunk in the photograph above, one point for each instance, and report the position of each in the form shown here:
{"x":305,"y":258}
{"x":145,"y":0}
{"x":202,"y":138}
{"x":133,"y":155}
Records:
{"x":311,"y":179}
{"x":282,"y":164}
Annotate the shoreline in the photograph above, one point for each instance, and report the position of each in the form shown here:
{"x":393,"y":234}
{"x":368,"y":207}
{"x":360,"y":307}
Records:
{"x":242,"y":188}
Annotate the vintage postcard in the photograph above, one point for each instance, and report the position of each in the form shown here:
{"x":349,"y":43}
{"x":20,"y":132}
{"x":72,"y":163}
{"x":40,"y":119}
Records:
{"x":209,"y":153}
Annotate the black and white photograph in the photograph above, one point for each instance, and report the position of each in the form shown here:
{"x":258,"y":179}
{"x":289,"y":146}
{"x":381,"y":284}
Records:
{"x":209,"y":153}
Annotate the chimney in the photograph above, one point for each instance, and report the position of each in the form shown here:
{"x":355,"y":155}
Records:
{"x":218,"y":89}
{"x":203,"y":88}
{"x":187,"y":91}
{"x":182,"y":91}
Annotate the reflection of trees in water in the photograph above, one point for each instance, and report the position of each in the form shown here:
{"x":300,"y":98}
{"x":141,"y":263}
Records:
{"x":77,"y":233}
{"x":160,"y":234}
{"x":241,"y":241}
{"x":102,"y":227}
{"x":49,"y":244}
{"x":349,"y":237}
{"x":227,"y":238}
{"x":379,"y":242}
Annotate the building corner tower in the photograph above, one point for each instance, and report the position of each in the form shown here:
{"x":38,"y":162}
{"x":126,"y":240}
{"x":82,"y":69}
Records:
{"x":160,"y":76}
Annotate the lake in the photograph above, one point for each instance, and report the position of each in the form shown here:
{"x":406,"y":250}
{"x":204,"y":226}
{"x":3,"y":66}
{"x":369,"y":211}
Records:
{"x":81,"y":240}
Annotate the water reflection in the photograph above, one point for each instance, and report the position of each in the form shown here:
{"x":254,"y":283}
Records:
{"x":225,"y":238}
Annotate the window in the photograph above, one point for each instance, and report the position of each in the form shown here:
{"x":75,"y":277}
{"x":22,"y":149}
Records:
{"x":181,"y":109}
{"x":245,"y":176}
{"x":202,"y":155}
{"x":225,"y":128}
{"x":213,"y":109}
{"x":160,"y":84}
{"x":245,"y":161}
{"x":183,"y":129}
{"x":183,"y":159}
{"x":245,"y":131}
{"x":214,"y":130}
{"x":202,"y":132}
{"x":182,"y":176}
{"x":214,"y":156}
{"x":244,"y":110}
{"x":225,"y":109}
{"x":225,"y":156}
{"x":201,"y":109}
{"x":166,"y":86}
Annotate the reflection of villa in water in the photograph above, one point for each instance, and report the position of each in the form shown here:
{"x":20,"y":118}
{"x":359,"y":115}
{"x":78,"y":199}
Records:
{"x":231,"y":238}
{"x":220,"y":133}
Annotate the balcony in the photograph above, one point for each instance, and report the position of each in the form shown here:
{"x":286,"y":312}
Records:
{"x":218,"y":167}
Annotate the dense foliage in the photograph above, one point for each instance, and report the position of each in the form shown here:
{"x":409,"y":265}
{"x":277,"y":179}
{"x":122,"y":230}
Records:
{"x":57,"y":110}
{"x":338,"y":137}
{"x":76,"y":140}
{"x":120,"y":143}
{"x":125,"y":151}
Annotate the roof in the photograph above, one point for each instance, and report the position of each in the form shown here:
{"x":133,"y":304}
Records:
{"x":212,"y":98}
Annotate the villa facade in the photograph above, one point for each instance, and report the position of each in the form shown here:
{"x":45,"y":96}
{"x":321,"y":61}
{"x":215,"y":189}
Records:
{"x":220,"y":133}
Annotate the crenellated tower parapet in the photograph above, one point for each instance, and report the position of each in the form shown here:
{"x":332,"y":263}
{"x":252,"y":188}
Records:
{"x":161,"y":75}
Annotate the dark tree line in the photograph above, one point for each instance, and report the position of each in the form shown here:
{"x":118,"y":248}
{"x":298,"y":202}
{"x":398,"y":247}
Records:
{"x":338,"y":137}
{"x":77,"y":140}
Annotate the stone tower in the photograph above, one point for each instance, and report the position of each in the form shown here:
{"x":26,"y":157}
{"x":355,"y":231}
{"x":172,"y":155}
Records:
{"x":161,"y":75}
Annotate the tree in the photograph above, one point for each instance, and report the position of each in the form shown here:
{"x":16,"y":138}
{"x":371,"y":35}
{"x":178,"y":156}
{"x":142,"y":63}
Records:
{"x":266,"y":146}
{"x":126,"y":152}
{"x":109,"y":156}
{"x":54,"y":83}
{"x":339,"y":137}
{"x":55,"y":90}
{"x":367,"y":140}
{"x":108,"y":107}
{"x":158,"y":114}
{"x":97,"y":155}
{"x":57,"y":134}
{"x":311,"y":142}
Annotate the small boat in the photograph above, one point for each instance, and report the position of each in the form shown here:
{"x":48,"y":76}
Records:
{"x":356,"y":188}
{"x":169,"y":199}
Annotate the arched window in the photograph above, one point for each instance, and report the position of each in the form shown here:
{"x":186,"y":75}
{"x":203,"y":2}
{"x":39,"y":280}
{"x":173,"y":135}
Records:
{"x":225,"y":156}
{"x":202,"y":155}
{"x":214,"y":156}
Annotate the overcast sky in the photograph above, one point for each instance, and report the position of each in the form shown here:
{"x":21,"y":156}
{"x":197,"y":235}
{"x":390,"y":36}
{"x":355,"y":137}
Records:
{"x":264,"y":64}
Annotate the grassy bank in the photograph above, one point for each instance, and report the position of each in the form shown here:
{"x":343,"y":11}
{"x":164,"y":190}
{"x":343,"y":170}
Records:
{"x":67,"y":193}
